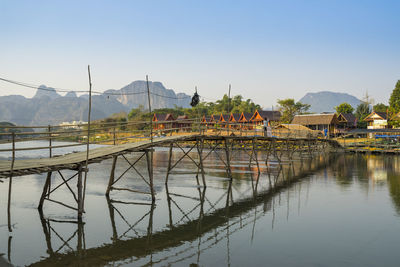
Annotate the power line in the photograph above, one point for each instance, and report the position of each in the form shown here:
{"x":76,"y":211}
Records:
{"x":52,"y":89}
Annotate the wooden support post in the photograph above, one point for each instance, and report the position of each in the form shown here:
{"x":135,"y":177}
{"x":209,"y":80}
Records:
{"x":228,"y":159}
{"x":45,"y":191}
{"x":50,"y":150}
{"x":169,"y":162}
{"x":10,"y":184}
{"x":255,"y":155}
{"x":149,"y":158}
{"x":200,"y":151}
{"x":112,"y":175}
{"x":80,"y":192}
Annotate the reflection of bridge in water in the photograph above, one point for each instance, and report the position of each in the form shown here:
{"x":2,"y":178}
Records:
{"x":204,"y":145}
{"x":216,"y":221}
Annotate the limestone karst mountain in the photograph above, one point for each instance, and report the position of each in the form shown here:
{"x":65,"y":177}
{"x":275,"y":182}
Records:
{"x":49,"y":107}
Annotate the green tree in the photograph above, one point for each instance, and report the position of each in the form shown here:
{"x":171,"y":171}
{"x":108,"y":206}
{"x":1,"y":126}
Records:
{"x":362,"y":111}
{"x":289,"y":108}
{"x":344,"y":108}
{"x":394,"y":101}
{"x":380,"y":107}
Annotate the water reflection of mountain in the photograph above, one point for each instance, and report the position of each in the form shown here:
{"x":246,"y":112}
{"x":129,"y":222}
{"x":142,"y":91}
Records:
{"x":282,"y":179}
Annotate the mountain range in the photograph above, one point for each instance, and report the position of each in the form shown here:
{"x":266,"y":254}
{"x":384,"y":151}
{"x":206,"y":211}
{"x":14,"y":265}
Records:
{"x":326,"y":101}
{"x":47,"y":107}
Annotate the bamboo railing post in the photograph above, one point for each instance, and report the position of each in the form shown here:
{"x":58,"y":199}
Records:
{"x":10,"y":184}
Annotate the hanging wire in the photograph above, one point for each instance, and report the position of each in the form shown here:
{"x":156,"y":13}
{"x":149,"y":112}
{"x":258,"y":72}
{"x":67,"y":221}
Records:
{"x":52,"y":89}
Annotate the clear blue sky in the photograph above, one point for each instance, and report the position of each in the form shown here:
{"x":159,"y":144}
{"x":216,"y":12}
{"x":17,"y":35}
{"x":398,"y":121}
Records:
{"x":265,"y":49}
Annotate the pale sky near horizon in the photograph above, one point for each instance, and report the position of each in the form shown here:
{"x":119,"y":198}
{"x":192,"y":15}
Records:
{"x":267,"y":50}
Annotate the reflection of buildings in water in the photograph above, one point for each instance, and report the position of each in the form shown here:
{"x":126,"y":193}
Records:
{"x":377,"y":168}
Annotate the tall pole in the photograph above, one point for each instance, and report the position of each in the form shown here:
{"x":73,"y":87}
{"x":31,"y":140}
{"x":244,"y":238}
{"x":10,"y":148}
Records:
{"x":88,"y":137}
{"x":151,"y":118}
{"x":229,"y":103}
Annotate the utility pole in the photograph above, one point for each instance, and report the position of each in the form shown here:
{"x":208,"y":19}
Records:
{"x":151,"y":118}
{"x":87,"y":145}
{"x":229,"y":104}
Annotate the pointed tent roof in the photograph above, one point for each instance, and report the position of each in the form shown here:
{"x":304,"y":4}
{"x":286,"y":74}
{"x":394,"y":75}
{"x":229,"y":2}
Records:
{"x":214,"y":118}
{"x":224,"y":118}
{"x":234,"y":117}
{"x":245,"y":117}
{"x":261,"y":115}
{"x":163,"y":117}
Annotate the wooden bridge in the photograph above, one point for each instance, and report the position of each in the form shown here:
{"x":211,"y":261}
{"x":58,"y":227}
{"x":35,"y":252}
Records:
{"x":202,"y":144}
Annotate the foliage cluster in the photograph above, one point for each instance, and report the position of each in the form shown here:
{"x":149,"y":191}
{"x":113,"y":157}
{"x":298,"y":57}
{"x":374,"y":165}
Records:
{"x":289,"y":108}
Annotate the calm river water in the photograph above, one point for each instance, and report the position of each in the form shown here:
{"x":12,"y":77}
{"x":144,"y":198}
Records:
{"x":332,"y":210}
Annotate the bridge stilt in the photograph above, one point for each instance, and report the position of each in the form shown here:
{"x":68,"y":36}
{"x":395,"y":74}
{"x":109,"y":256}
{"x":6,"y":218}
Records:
{"x":45,"y":191}
{"x":112,"y":175}
{"x":228,"y":160}
{"x":169,"y":162}
{"x":149,"y":158}
{"x":80,"y":193}
{"x":132,"y":165}
{"x":200,"y":152}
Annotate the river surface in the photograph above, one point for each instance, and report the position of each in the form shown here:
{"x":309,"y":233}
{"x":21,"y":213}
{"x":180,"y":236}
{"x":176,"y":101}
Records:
{"x":325,"y":210}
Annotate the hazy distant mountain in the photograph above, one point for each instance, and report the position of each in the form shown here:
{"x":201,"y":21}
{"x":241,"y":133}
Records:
{"x":326,"y":101}
{"x":48,"y":107}
{"x":44,"y":91}
{"x":135,"y":94}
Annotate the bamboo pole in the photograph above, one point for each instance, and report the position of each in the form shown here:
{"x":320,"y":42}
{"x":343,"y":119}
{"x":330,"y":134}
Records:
{"x":151,"y":118}
{"x":80,"y":193}
{"x":88,"y":139}
{"x":229,"y":103}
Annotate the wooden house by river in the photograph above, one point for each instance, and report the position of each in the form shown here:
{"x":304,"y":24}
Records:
{"x":377,"y":120}
{"x":163,"y":121}
{"x":321,"y":122}
{"x":346,"y":122}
